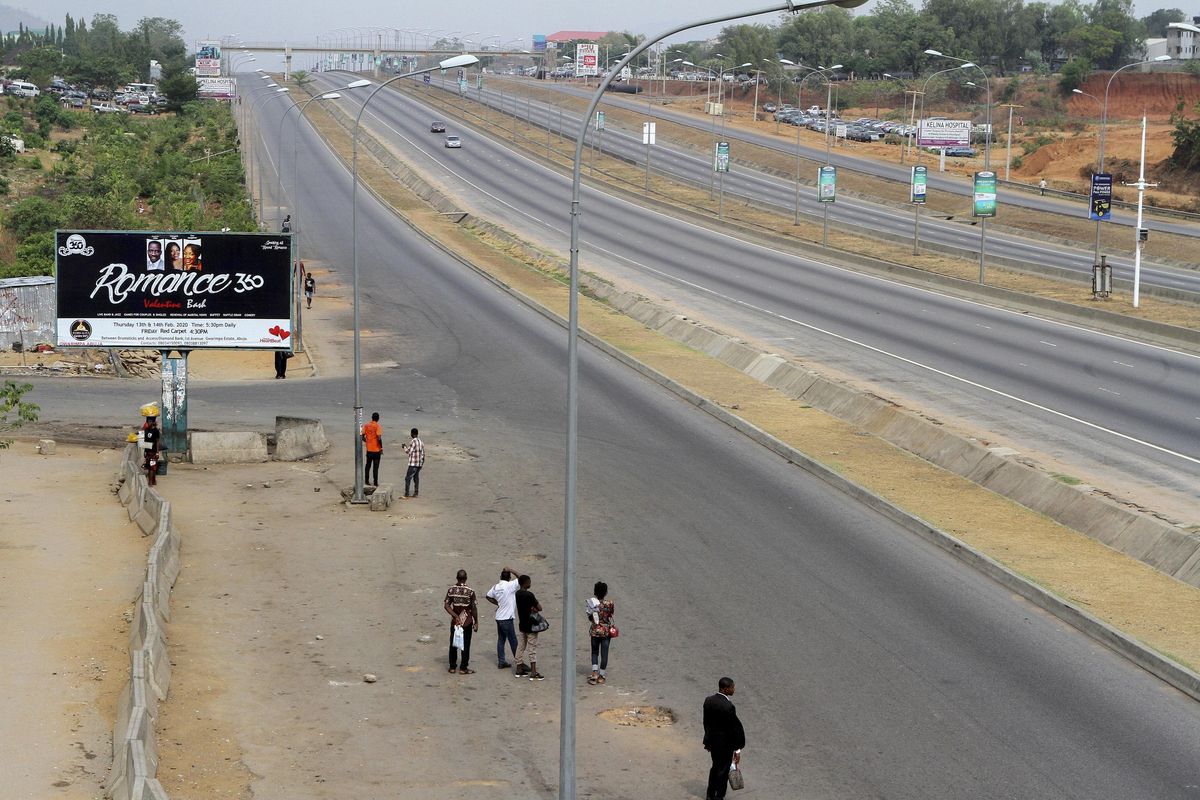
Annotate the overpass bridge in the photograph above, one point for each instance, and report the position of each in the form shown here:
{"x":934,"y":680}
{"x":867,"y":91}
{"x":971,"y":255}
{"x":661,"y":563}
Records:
{"x":356,"y":58}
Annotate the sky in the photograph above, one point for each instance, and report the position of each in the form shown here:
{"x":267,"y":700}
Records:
{"x":302,"y":20}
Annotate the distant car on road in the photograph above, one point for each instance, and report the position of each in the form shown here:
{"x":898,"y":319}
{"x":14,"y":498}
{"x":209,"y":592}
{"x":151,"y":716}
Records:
{"x":437,"y":127}
{"x":453,"y":141}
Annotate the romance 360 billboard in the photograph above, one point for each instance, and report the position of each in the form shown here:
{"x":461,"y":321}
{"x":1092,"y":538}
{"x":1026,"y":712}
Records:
{"x":174,"y":290}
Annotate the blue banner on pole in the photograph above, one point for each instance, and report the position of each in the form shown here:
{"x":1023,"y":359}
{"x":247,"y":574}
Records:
{"x":1101,"y":204}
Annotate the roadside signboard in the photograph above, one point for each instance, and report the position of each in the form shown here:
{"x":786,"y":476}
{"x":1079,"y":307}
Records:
{"x":539,"y":43}
{"x":1101,"y":205}
{"x":918,"y":184}
{"x":721,"y":157}
{"x":599,"y":120}
{"x":587,"y":59}
{"x":462,"y":85}
{"x":479,"y":81}
{"x":159,"y":290}
{"x":839,"y":130}
{"x":827,"y":184}
{"x":426,"y":76}
{"x":944,"y":133}
{"x":626,"y":73}
{"x":208,"y":59}
{"x":647,"y":133}
{"x":215,"y":88}
{"x":985,"y":195}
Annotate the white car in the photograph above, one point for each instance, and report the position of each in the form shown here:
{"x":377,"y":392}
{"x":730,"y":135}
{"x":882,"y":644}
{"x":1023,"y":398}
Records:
{"x":453,"y":141}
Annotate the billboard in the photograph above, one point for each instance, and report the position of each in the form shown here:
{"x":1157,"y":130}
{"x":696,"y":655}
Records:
{"x":721,"y":157}
{"x":1101,"y":205}
{"x":984,"y":195}
{"x":918,"y":184}
{"x":159,"y":290}
{"x":587,"y":59}
{"x":827,"y":184}
{"x":215,"y":88}
{"x":944,"y":133}
{"x":539,"y":43}
{"x":208,"y":59}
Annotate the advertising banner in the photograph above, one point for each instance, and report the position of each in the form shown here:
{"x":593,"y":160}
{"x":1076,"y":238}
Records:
{"x":599,"y":120}
{"x":827,"y":184}
{"x":1101,"y":205}
{"x":944,"y":133}
{"x":648,"y":133}
{"x":587,"y":59}
{"x":539,"y":43}
{"x":215,"y":88}
{"x":985,"y":195}
{"x":919,"y":184}
{"x":208,"y":59}
{"x":144,"y":289}
{"x":721,"y":158}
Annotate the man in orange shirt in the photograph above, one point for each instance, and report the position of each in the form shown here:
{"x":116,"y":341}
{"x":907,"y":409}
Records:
{"x":373,"y":435}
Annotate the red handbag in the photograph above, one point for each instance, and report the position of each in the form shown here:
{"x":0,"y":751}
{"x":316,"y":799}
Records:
{"x":613,"y":632}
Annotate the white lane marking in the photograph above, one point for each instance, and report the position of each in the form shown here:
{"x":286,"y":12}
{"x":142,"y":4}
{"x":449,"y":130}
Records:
{"x":981,"y":325}
{"x":1110,"y":391}
{"x":1048,"y":344}
{"x":848,"y":340}
{"x":1123,"y":364}
{"x":1021,"y":364}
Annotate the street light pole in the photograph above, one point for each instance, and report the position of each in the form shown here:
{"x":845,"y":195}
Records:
{"x":278,"y":90}
{"x":1104,"y":129}
{"x":456,"y":61}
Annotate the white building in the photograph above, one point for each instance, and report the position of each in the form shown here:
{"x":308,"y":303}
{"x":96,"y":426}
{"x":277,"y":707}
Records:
{"x":1183,"y":39}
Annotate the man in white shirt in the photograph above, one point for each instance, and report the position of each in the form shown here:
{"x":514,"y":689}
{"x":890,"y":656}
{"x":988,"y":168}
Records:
{"x":154,"y":259}
{"x":503,"y":596}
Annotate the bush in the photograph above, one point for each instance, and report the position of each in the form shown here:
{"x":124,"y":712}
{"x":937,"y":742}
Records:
{"x":1074,"y":72}
{"x":35,"y":255}
{"x":31,"y":216}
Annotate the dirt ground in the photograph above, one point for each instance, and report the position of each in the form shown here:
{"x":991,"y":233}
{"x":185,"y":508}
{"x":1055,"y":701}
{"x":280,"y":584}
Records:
{"x":70,"y":565}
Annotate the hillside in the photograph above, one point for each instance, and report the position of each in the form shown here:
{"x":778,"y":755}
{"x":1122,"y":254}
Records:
{"x":11,"y":18}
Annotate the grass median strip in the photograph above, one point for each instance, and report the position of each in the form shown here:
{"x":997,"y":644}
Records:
{"x":1147,"y":605}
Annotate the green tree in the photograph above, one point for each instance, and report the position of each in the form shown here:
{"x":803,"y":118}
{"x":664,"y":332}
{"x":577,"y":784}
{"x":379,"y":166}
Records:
{"x":1155,"y":24}
{"x":40,"y":64}
{"x":1186,"y":136}
{"x":752,"y":44}
{"x":32,"y":215}
{"x":1074,"y":73}
{"x":35,"y":255}
{"x":817,"y":38}
{"x":14,"y":410}
{"x":179,"y":88}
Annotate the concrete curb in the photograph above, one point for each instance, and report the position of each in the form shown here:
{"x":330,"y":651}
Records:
{"x":832,"y":396}
{"x":134,"y":771}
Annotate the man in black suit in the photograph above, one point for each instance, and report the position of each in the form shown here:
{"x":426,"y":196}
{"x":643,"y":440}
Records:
{"x":724,"y":737}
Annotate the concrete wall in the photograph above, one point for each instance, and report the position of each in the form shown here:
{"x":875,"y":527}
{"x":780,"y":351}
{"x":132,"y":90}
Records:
{"x":134,"y":771}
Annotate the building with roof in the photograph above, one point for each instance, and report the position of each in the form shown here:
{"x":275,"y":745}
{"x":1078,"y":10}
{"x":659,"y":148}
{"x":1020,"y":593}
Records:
{"x":1183,"y":40}
{"x":571,"y":36}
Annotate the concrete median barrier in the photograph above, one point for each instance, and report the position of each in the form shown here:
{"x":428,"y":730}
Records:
{"x":233,"y":447}
{"x":297,"y":438}
{"x":147,"y":517}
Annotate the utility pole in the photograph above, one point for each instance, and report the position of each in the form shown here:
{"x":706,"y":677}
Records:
{"x":1008,"y":158}
{"x":912,"y":119}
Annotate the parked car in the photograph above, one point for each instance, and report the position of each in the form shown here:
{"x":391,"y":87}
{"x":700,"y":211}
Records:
{"x":108,"y":108}
{"x":453,"y":141}
{"x":437,"y":127}
{"x":768,"y":107}
{"x":72,"y":100}
{"x":141,"y":108}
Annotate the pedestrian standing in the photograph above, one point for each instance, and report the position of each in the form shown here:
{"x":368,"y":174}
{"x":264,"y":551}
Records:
{"x":416,"y":459}
{"x":504,"y":596}
{"x":724,"y":737}
{"x":527,"y":604}
{"x":372,"y":435}
{"x":1042,"y":186}
{"x":150,"y":436}
{"x":600,"y":613}
{"x":310,"y":288}
{"x":460,"y":605}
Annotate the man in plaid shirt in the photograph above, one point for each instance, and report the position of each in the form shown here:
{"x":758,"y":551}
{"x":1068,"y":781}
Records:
{"x":416,"y":460}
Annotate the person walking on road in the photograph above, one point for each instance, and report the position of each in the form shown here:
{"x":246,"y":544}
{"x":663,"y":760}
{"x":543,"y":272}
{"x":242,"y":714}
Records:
{"x":460,"y":605}
{"x":724,"y":737}
{"x":372,"y":434}
{"x":1042,"y":186}
{"x":310,"y":288}
{"x":504,"y":596}
{"x":600,"y":613}
{"x":527,"y":603}
{"x":416,"y":459}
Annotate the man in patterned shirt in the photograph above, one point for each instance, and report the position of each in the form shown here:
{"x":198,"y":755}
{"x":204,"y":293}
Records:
{"x":460,"y":605}
{"x":416,"y":460}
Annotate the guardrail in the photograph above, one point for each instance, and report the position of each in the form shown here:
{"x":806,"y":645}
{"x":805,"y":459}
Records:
{"x":134,"y":772}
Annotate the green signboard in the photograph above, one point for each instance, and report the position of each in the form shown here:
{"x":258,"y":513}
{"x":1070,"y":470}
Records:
{"x":599,"y":120}
{"x":985,"y":195}
{"x":721,"y":161}
{"x":918,"y":184}
{"x":827,"y":184}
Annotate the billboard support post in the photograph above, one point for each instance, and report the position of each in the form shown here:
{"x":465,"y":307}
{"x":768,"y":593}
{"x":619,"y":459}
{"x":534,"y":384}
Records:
{"x":174,"y":401}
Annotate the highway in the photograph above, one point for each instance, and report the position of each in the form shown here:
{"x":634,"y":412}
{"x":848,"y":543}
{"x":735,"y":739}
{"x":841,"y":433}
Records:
{"x":896,"y":172}
{"x":1116,"y":409}
{"x":869,"y":664}
{"x":743,"y":182}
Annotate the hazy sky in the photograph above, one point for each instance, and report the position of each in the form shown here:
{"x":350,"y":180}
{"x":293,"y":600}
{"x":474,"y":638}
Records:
{"x":302,"y":20}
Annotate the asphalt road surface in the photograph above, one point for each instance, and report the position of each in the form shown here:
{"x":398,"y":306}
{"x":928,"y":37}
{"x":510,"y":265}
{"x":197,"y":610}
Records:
{"x":1117,"y":407}
{"x":869,"y":664}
